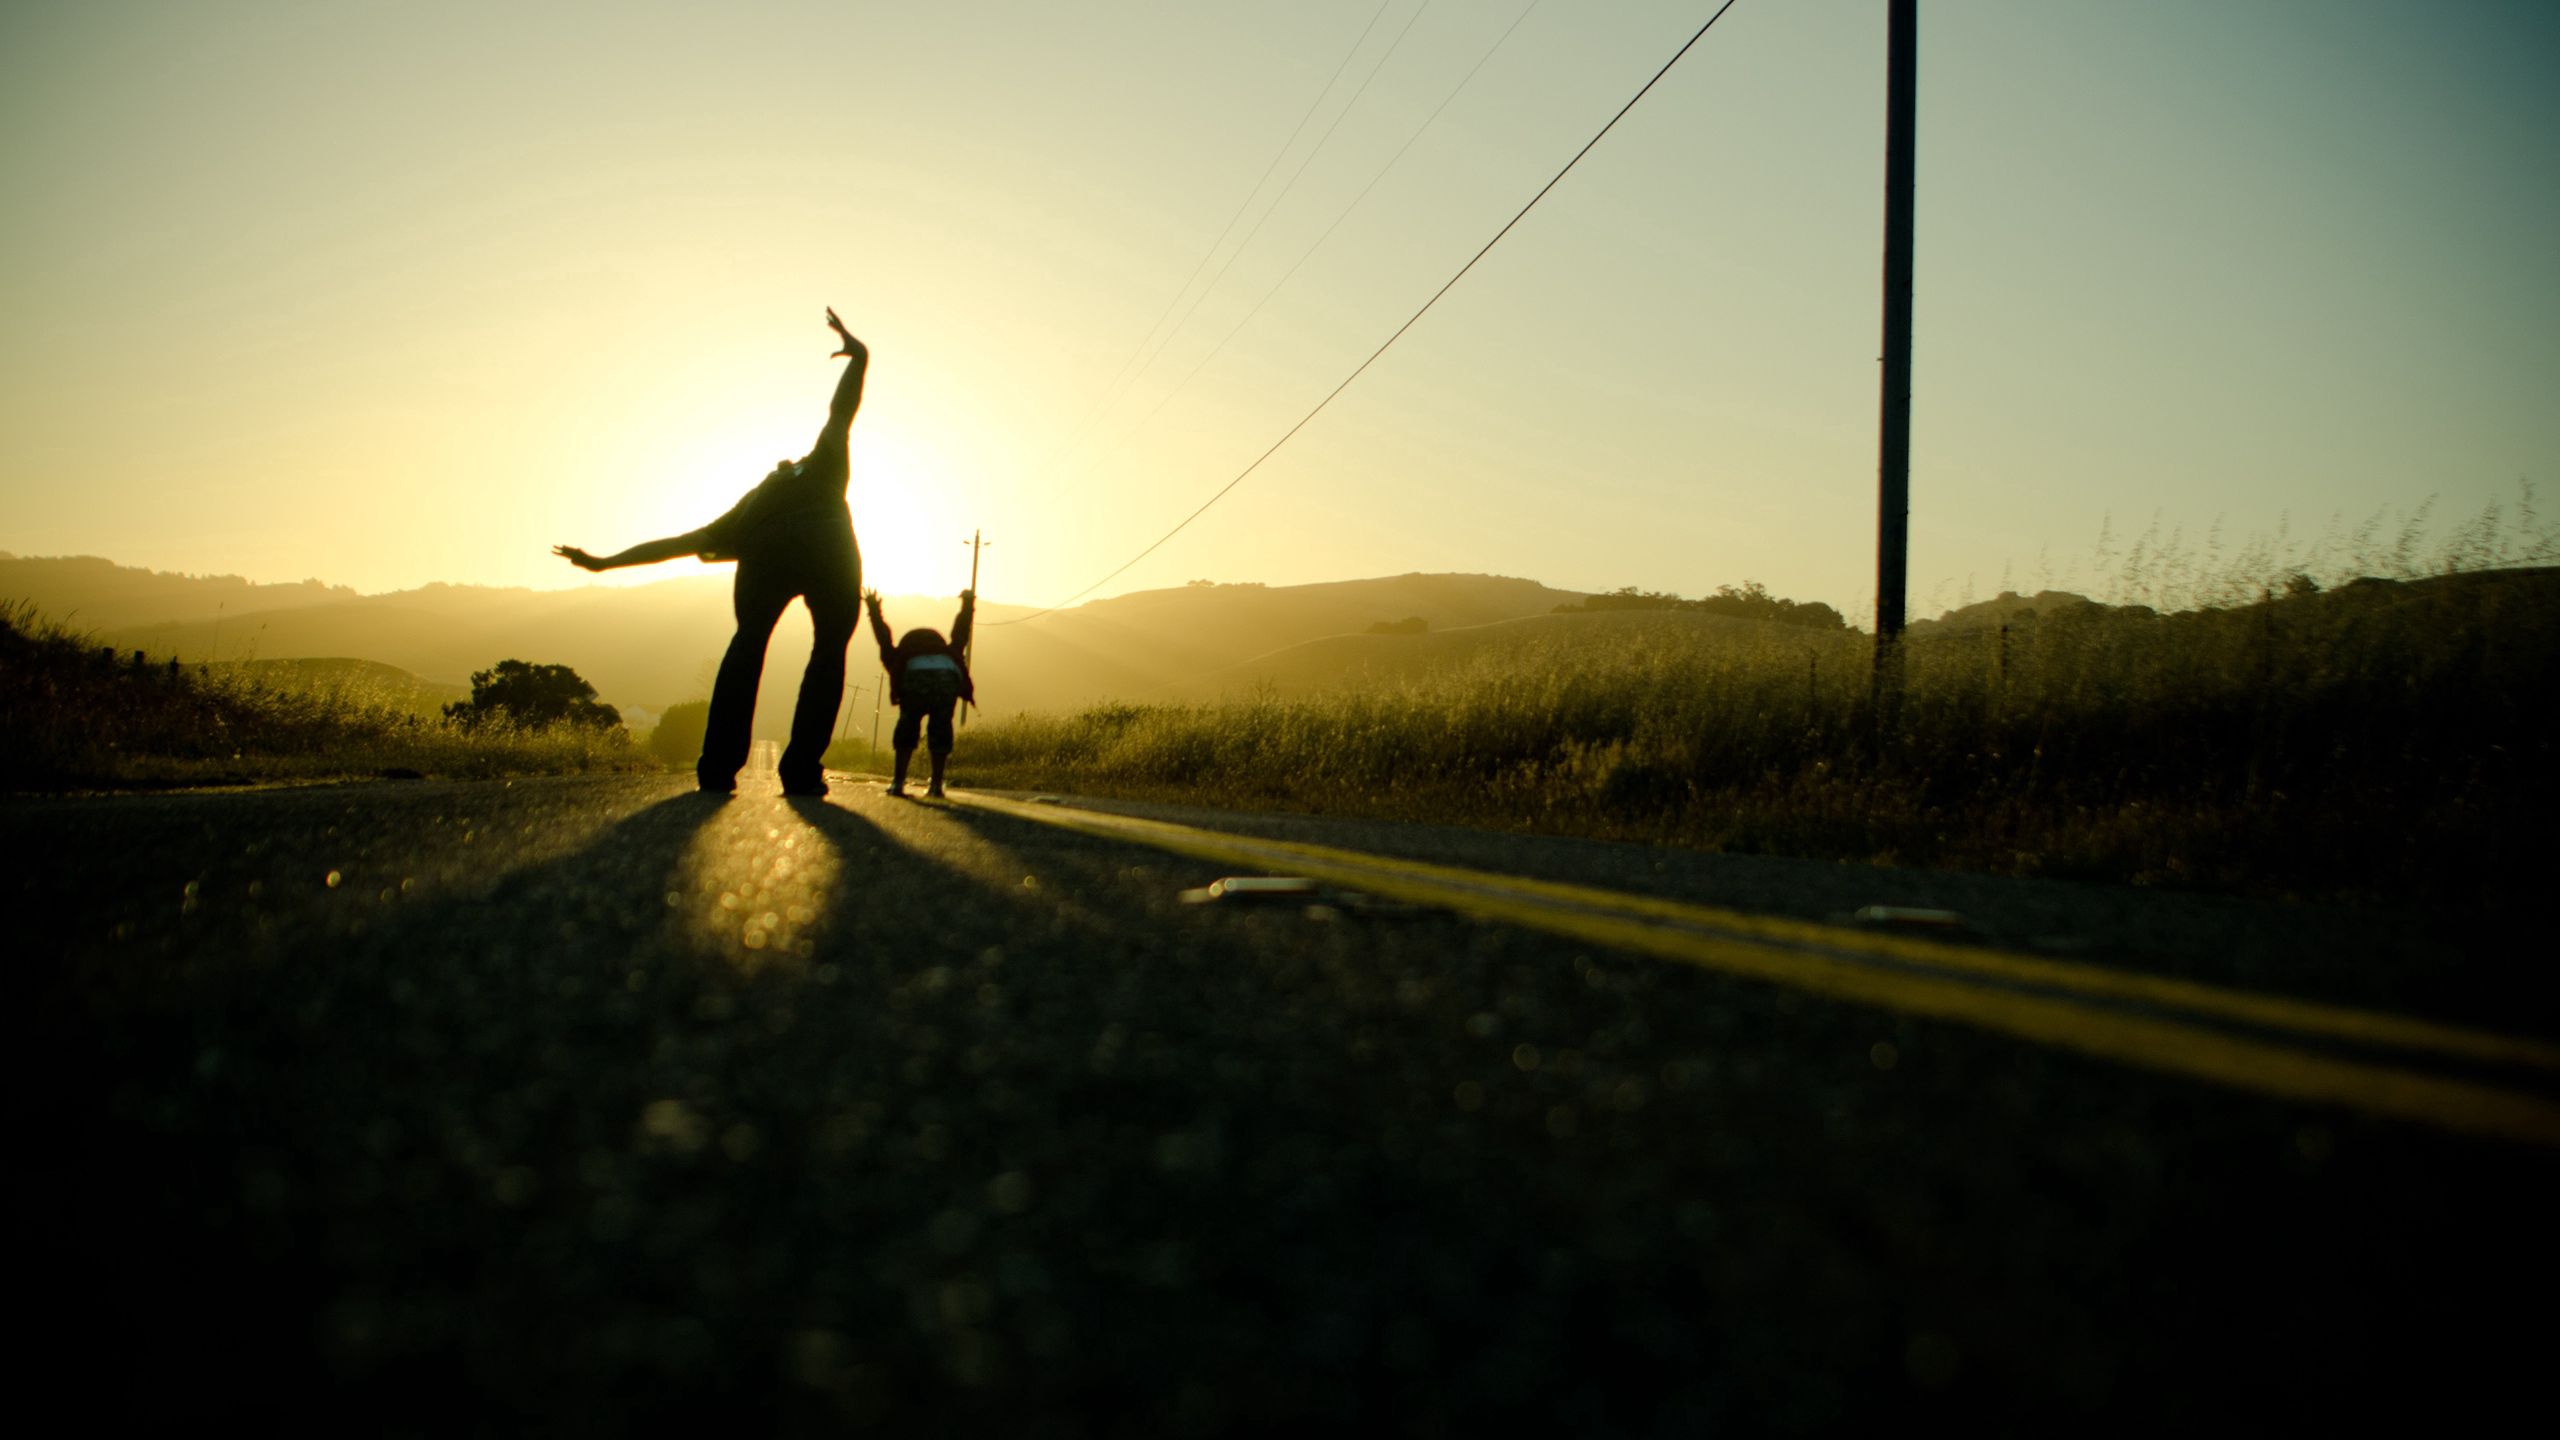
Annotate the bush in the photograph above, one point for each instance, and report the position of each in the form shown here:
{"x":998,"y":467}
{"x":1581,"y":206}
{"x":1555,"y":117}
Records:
{"x":678,"y":738}
{"x":533,"y":697}
{"x":1752,"y":601}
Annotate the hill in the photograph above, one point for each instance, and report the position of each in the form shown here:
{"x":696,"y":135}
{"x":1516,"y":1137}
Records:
{"x":1386,"y":662}
{"x":1154,"y":643}
{"x":647,"y":646}
{"x":2385,"y":739}
{"x":89,"y":593}
{"x":365,"y":682}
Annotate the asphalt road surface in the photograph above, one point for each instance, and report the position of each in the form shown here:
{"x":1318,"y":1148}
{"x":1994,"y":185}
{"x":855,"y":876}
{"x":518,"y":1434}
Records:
{"x":596,"y":1105}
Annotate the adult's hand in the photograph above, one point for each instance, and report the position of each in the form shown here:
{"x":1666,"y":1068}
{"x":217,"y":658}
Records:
{"x":851,"y":346}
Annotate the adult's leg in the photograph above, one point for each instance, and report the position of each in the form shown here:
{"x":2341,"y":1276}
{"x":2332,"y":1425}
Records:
{"x":835,"y":608}
{"x":757,"y":599}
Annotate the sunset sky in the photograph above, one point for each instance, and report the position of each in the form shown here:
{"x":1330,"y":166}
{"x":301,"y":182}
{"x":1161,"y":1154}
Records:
{"x":393,"y":293}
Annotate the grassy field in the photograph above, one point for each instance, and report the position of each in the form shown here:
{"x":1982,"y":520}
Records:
{"x":2390,"y":738}
{"x":76,"y":716}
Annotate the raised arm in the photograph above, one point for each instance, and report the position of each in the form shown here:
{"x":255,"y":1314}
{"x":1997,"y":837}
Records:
{"x":857,"y":358}
{"x":961,"y":623}
{"x":880,"y":632}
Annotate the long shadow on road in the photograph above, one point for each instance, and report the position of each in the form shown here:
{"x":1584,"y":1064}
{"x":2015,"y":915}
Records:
{"x":775,"y":1114}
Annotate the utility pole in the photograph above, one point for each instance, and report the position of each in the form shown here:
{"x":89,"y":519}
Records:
{"x":976,"y":543}
{"x":878,"y":689}
{"x":1893,"y":477}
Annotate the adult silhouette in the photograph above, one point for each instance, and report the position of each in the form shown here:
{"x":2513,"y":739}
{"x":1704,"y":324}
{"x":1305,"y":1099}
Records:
{"x":792,"y":536}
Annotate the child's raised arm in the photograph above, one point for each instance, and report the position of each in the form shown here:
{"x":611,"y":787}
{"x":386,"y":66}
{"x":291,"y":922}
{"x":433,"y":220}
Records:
{"x":880,"y":632}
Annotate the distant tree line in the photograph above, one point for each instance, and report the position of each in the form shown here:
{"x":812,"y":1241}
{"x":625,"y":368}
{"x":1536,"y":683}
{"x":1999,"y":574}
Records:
{"x":1749,"y":601}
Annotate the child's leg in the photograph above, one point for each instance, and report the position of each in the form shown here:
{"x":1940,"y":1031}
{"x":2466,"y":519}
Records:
{"x":902,"y":740}
{"x":938,"y":741}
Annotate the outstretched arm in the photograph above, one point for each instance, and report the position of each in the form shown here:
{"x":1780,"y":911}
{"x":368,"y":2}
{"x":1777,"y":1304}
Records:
{"x":647,"y":552}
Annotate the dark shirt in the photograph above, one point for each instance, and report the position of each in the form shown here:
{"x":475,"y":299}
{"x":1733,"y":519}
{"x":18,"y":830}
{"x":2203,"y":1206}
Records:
{"x":895,"y":657}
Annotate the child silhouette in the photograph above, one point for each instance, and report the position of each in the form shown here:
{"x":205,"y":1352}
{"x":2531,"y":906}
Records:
{"x":928,"y":678}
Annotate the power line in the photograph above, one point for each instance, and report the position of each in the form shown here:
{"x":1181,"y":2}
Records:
{"x":1113,"y":388}
{"x":1400,"y":330}
{"x":1291,"y":273}
{"x":1291,"y":184}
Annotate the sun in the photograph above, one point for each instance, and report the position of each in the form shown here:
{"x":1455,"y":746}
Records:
{"x":680,"y":454}
{"x":903,"y":513}
{"x":906,"y":514}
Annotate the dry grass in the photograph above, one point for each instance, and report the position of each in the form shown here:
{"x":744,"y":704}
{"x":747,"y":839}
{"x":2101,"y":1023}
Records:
{"x":2387,"y":738}
{"x":74,"y":716}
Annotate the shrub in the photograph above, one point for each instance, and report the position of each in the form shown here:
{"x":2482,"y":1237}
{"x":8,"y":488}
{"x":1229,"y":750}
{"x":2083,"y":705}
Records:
{"x":678,"y":736}
{"x":533,"y":697}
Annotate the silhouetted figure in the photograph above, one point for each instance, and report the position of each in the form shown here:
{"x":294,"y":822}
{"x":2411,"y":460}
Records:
{"x":927,"y":681}
{"x":792,"y":536}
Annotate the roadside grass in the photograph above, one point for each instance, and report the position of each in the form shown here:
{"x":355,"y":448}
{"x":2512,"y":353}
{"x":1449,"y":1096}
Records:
{"x":2386,"y":738}
{"x":76,"y":716}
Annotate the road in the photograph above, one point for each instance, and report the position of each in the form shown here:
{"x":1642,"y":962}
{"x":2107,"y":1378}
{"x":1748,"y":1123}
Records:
{"x":592,"y":1104}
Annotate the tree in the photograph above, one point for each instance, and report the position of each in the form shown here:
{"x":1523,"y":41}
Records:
{"x":533,"y":696}
{"x":1750,"y":601}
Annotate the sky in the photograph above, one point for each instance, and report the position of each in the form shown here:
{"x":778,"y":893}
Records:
{"x":388,"y":293}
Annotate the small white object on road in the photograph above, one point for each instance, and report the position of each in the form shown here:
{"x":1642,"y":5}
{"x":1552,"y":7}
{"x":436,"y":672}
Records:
{"x":1252,"y":887}
{"x":1908,"y":916}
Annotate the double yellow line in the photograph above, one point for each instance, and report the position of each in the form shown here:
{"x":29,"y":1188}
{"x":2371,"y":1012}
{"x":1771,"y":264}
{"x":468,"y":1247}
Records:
{"x":2295,"y":1049}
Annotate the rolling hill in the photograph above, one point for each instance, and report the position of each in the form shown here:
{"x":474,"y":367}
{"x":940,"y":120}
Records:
{"x":648,"y":646}
{"x":1388,"y":662}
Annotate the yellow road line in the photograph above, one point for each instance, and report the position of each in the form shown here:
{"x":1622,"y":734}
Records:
{"x":1976,"y":987}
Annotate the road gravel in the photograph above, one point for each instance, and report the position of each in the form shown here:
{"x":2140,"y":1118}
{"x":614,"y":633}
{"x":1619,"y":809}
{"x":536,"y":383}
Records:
{"x":597,"y":1105}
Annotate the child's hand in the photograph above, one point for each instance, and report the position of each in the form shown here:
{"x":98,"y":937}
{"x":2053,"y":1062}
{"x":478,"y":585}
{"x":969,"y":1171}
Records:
{"x":871,"y":598}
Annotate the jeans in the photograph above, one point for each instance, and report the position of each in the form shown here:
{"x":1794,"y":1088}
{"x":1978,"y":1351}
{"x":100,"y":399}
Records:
{"x":824,"y":567}
{"x":912,"y":718}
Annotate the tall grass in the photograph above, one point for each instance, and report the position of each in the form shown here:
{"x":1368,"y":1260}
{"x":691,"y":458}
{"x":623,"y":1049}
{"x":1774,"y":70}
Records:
{"x":2384,"y":737}
{"x":73,"y":715}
